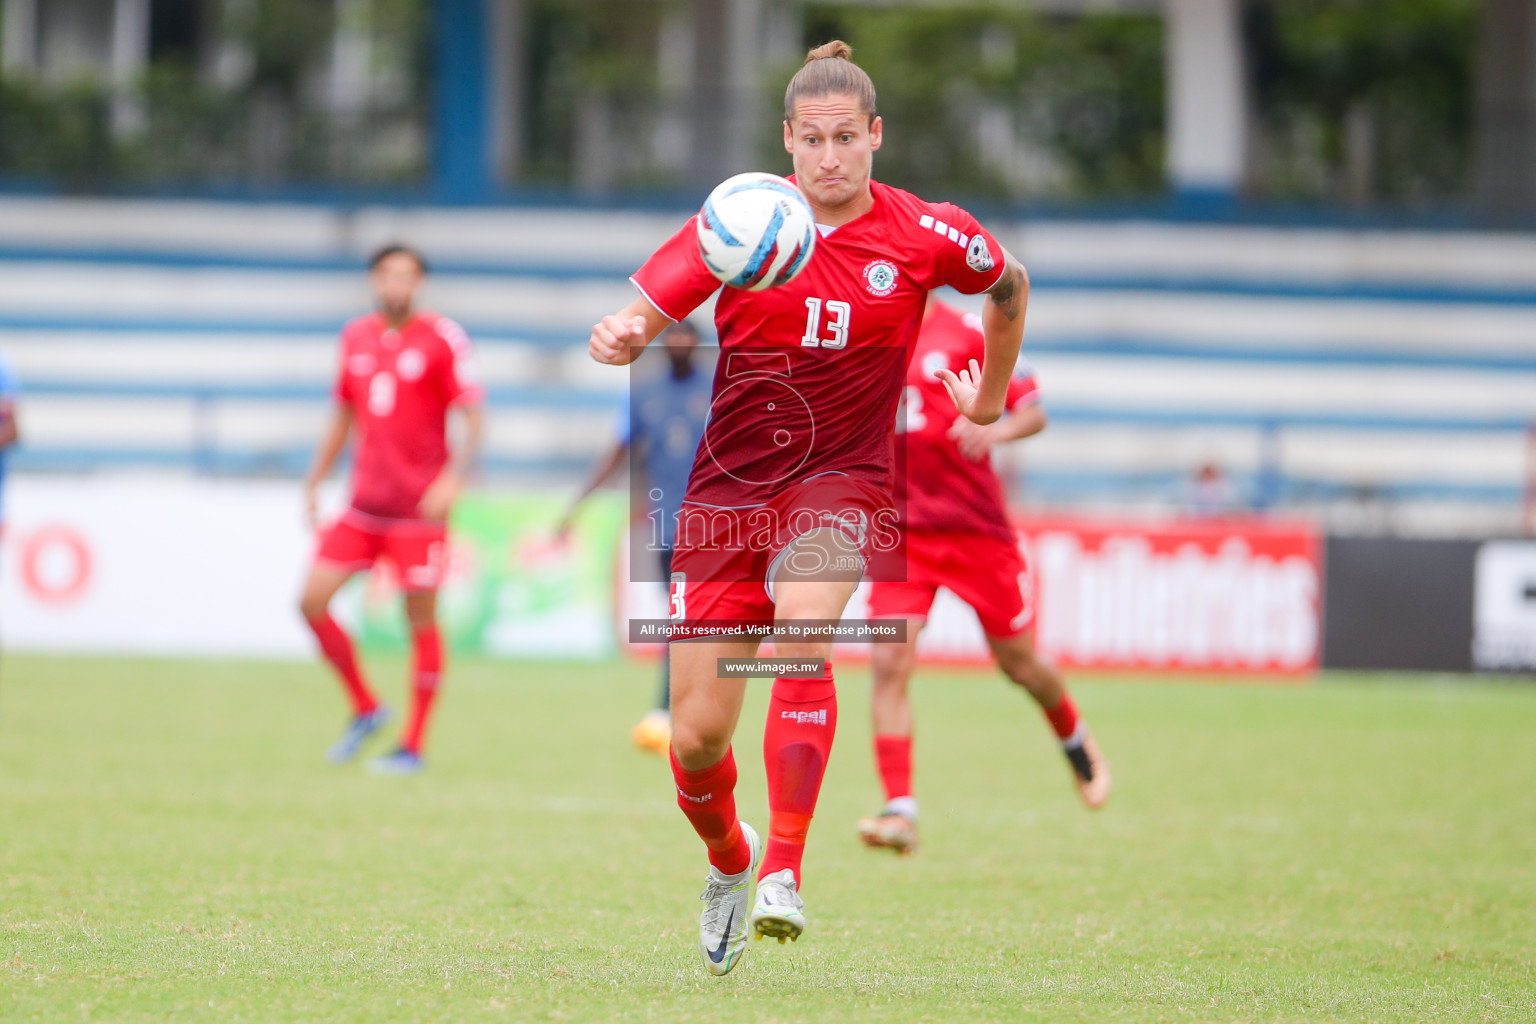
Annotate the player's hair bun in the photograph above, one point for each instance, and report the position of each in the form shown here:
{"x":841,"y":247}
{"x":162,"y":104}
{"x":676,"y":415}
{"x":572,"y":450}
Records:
{"x":829,"y":70}
{"x":835,"y":50}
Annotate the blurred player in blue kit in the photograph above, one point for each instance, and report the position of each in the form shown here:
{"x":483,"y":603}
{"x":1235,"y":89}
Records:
{"x":659,"y":428}
{"x":8,"y":430}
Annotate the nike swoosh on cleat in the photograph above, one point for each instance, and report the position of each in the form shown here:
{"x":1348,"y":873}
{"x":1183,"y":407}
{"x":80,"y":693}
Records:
{"x":1081,"y":765}
{"x":716,"y":955}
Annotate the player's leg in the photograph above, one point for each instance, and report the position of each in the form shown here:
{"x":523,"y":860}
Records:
{"x":426,"y":678}
{"x":705,"y":710}
{"x":910,"y":599}
{"x":891,"y":715}
{"x":323,"y":582}
{"x":342,"y":552}
{"x":654,"y":731}
{"x":419,"y":552}
{"x":1017,"y":657}
{"x":812,"y":580}
{"x":989,"y":574}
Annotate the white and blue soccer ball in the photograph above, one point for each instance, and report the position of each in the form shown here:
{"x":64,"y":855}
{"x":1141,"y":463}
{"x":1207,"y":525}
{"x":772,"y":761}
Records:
{"x":756,"y":231}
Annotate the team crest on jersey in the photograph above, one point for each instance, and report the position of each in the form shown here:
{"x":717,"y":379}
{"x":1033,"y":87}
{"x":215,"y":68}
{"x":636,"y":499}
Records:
{"x":880,"y":277}
{"x":411,"y":364}
{"x":977,"y":256}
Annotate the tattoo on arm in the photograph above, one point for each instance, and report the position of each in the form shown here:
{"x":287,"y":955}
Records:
{"x":1008,"y":293}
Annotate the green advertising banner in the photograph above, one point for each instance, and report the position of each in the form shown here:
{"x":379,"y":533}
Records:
{"x":512,"y":589}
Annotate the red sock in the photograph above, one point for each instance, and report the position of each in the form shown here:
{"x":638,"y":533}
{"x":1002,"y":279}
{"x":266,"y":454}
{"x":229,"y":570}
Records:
{"x":1063,"y":717}
{"x":893,"y":756}
{"x":802,"y":719}
{"x":338,"y":651}
{"x":427,"y":648}
{"x":708,"y":798}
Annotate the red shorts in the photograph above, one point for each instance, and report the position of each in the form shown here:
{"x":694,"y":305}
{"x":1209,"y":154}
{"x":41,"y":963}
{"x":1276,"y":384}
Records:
{"x":416,"y":547}
{"x":986,"y":572}
{"x":725,"y":559}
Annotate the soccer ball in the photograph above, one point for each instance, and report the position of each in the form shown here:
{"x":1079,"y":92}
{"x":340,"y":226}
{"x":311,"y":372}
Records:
{"x":756,"y":231}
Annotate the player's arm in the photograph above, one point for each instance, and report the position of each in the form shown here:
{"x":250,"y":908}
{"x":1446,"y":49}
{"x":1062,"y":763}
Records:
{"x":1022,"y":421}
{"x":331,"y":443}
{"x":440,"y":495}
{"x":981,"y":392}
{"x":604,"y":468}
{"x":619,"y":339}
{"x":9,"y":432}
{"x":975,"y":441}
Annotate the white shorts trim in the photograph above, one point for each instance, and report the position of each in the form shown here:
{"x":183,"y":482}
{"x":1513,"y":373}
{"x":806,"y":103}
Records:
{"x":778,"y":559}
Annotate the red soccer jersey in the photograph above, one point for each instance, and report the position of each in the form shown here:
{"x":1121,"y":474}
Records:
{"x":810,"y":371}
{"x":946,"y":490}
{"x":399,"y":385}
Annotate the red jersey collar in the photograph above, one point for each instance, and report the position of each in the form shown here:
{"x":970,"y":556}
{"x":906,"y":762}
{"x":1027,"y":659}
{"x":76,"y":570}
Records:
{"x":866,"y":217}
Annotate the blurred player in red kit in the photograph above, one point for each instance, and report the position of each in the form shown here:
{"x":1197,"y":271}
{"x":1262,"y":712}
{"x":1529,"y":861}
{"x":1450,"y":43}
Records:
{"x":958,"y":537}
{"x":793,"y":481}
{"x":402,"y":371}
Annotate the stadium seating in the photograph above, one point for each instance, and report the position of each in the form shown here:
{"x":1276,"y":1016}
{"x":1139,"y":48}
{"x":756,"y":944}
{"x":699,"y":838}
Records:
{"x":1320,"y":367}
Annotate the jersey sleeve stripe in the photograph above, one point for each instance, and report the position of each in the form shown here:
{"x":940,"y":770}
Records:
{"x":654,"y":304}
{"x":455,"y":335}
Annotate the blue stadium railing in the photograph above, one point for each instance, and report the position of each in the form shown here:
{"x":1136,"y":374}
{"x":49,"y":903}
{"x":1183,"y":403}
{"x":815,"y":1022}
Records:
{"x":1386,"y":290}
{"x":132,"y":329}
{"x":556,"y":398}
{"x":1048,"y":485}
{"x":204,"y":454}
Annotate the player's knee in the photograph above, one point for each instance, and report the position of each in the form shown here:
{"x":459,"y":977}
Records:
{"x":420,"y":618}
{"x":1020,"y":667}
{"x":312,"y":606}
{"x":889,"y":669}
{"x":698,"y":747}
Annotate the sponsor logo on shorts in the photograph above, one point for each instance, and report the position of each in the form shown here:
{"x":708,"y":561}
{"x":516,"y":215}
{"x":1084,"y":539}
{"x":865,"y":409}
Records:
{"x":880,"y":277}
{"x":817,"y":717}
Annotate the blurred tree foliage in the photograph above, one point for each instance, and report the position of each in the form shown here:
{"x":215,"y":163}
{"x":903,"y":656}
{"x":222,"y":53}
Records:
{"x":592,"y":88}
{"x":995,"y":100}
{"x":1363,"y":101}
{"x":285,"y":39}
{"x":268,"y":124}
{"x":58,"y":135}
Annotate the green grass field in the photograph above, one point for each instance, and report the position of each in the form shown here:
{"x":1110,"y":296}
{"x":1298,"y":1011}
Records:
{"x":172,"y":847}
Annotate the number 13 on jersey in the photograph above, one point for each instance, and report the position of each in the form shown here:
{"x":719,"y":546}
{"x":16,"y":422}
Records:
{"x":835,"y":322}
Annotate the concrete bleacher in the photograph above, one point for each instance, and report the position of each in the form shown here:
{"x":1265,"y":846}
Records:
{"x":1325,"y":368}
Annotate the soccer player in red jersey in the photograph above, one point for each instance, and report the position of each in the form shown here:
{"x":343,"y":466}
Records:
{"x":402,"y":371}
{"x":958,"y":537}
{"x":791,"y":491}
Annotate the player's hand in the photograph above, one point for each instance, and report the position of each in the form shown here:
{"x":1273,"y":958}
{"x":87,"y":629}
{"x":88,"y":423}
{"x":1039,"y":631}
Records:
{"x":965,"y":388}
{"x":438,"y":500}
{"x":973,"y":439}
{"x":617,"y":341}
